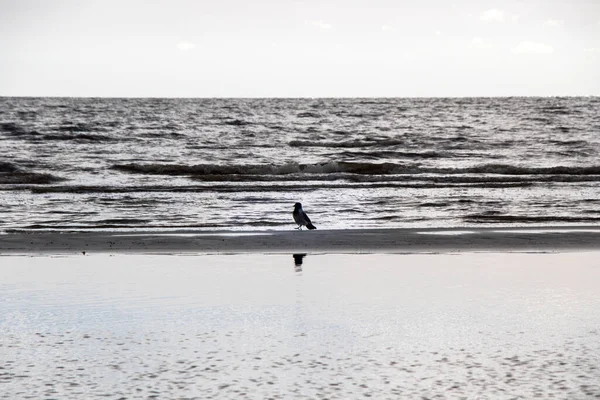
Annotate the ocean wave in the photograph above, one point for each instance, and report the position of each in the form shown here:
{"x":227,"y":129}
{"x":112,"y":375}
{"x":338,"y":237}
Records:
{"x":490,"y":218}
{"x":79,"y":127}
{"x":32,"y":178}
{"x":349,"y":144}
{"x":12,"y":129}
{"x":382,"y":154}
{"x":153,"y":225}
{"x":122,"y":221}
{"x":236,"y":122}
{"x":433,"y":205}
{"x":11,"y":174}
{"x":559,"y":110}
{"x":238,"y":187}
{"x":332,"y":167}
{"x":6,"y":167}
{"x":78,"y":137}
{"x":342,"y":167}
{"x":507,"y":169}
{"x":570,"y":142}
{"x":308,"y":115}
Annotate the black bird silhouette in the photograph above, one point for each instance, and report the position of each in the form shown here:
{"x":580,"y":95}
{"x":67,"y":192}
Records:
{"x":301,"y":218}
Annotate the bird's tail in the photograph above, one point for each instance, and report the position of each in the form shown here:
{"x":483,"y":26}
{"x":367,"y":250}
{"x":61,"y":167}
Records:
{"x":311,"y":226}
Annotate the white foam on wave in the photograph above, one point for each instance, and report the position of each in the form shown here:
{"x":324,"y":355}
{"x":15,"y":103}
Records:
{"x":539,"y":231}
{"x":447,"y":233}
{"x":227,"y":234}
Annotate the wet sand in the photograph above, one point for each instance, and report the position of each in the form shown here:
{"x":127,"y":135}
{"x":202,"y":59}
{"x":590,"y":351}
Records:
{"x":335,"y":241}
{"x":345,"y":326}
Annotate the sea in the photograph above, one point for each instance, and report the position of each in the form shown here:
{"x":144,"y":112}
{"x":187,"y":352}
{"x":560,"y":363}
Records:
{"x":156,"y":164}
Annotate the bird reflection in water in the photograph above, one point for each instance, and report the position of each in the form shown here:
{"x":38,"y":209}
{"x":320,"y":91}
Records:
{"x":298,"y":262}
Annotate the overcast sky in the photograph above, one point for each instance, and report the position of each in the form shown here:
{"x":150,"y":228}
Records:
{"x":299,"y":48}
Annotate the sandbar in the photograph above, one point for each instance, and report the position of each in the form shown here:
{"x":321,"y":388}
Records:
{"x":575,"y":238}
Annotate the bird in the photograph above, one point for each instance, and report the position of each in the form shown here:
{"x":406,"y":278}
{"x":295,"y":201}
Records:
{"x":301,"y":218}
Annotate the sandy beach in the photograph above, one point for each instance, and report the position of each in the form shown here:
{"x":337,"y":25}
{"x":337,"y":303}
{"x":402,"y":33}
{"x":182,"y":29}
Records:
{"x":136,"y":326}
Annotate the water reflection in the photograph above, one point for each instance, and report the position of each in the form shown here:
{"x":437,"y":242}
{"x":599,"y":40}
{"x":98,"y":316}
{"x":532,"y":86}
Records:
{"x":298,"y":261}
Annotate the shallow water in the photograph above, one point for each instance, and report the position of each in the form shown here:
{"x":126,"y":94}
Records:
{"x":267,"y":326}
{"x":242,"y":163}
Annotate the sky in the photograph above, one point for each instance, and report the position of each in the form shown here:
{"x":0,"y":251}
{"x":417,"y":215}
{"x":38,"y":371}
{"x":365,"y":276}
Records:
{"x":299,"y":48}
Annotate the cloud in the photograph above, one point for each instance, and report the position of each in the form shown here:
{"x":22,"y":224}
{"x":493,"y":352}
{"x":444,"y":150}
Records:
{"x":185,"y":46}
{"x":515,"y":18}
{"x":532,"y":47}
{"x":477,"y":40}
{"x":320,"y":24}
{"x":493,"y":15}
{"x":591,"y":50}
{"x":554,"y":22}
{"x":387,"y":28}
{"x":438,"y":33}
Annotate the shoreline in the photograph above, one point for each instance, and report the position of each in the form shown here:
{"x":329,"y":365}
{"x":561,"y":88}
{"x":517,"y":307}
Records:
{"x":400,"y":240}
